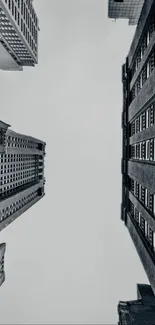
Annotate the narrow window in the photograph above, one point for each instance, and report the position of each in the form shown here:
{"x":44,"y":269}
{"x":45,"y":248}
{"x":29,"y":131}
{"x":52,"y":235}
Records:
{"x":148,"y":70}
{"x":148,"y":38}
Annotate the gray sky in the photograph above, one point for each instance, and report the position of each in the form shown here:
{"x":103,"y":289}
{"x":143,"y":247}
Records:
{"x":69,"y":259}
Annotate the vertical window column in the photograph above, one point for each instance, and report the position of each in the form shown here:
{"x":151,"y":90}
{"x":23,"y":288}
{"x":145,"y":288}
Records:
{"x":136,"y":215}
{"x":143,"y":195}
{"x":150,"y":236}
{"x":142,"y":224}
{"x":137,"y":190}
{"x":151,"y":149}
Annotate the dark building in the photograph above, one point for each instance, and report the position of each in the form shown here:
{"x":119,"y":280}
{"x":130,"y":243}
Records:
{"x":21,"y":173}
{"x":2,"y":273}
{"x":138,"y":124}
{"x":140,"y":311}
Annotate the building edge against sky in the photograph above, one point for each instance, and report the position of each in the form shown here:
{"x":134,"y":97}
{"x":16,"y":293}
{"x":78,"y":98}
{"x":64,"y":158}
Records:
{"x":127,"y":9}
{"x":19,"y":29}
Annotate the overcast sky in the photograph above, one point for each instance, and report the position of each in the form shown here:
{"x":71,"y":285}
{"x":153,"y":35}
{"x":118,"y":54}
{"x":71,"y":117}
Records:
{"x":69,"y":259}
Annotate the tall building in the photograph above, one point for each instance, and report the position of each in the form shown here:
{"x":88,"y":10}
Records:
{"x":140,"y":311}
{"x":18,"y":34}
{"x":2,"y":272}
{"x":21,"y":173}
{"x":138,"y":124}
{"x":129,"y":9}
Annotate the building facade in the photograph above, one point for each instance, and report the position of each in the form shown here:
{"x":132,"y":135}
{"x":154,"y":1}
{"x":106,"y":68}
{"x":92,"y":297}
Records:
{"x":21,"y":173}
{"x":127,"y":9}
{"x":2,"y":272}
{"x":138,"y":125}
{"x":18,"y":34}
{"x":140,"y":311}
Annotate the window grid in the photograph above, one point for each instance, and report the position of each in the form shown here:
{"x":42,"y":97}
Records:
{"x":143,"y":150}
{"x":144,"y":44}
{"x":144,"y":120}
{"x":143,"y":195}
{"x":18,"y":170}
{"x":17,"y":205}
{"x":144,"y":227}
{"x":6,"y":26}
{"x":21,"y":143}
{"x":146,"y":71}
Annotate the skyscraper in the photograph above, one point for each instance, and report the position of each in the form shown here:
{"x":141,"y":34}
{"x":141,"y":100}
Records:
{"x":2,"y":273}
{"x":138,"y":124}
{"x":18,"y":34}
{"x":129,"y":9}
{"x":140,"y":311}
{"x":138,"y":151}
{"x":21,"y":173}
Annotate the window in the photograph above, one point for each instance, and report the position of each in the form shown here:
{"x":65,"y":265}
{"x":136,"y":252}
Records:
{"x":146,"y":229}
{"x":12,"y":8}
{"x":146,"y":197}
{"x":144,"y":45}
{"x":150,"y":236}
{"x":144,"y":121}
{"x":144,"y":75}
{"x":141,"y":53}
{"x":150,"y":202}
{"x":133,"y":127}
{"x":147,"y":69}
{"x":22,"y":7}
{"x":154,"y":204}
{"x":137,"y":215}
{"x":136,"y":151}
{"x":15,"y":13}
{"x":140,"y":150}
{"x":151,"y":149}
{"x":147,"y":150}
{"x":137,"y":190}
{"x":152,"y":61}
{"x":141,"y":83}
{"x":24,"y":10}
{"x":152,"y":112}
{"x":1,"y":137}
{"x":153,"y":239}
{"x":147,"y":119}
{"x":148,"y":38}
{"x":138,"y":85}
{"x":143,"y":195}
{"x":152,"y":26}
{"x":142,"y":224}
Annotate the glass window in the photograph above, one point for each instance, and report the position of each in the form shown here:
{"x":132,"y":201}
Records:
{"x":148,"y":38}
{"x":148,"y":69}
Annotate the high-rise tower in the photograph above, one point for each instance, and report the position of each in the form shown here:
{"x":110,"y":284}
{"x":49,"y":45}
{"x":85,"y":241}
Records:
{"x":138,"y":124}
{"x":21,"y":173}
{"x":138,"y":151}
{"x":18,"y":34}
